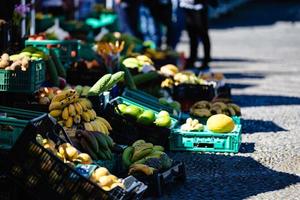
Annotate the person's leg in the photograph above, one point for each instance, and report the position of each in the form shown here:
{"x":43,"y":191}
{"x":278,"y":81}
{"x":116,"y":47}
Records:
{"x":203,"y":31}
{"x":193,"y":37}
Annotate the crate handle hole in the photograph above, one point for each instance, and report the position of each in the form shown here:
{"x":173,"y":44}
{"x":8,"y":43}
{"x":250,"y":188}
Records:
{"x":204,"y":145}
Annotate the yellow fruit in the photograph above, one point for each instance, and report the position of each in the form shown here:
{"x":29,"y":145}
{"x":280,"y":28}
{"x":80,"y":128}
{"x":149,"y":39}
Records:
{"x":86,"y":117}
{"x":72,"y":111}
{"x":220,"y":123}
{"x":55,"y":106}
{"x":99,"y":172}
{"x":84,"y":158}
{"x":105,"y":181}
{"x":55,"y":113}
{"x":105,"y":122}
{"x":78,"y":108}
{"x":63,"y":95}
{"x":65,"y":113}
{"x":91,"y":114}
{"x":77,"y":119}
{"x":88,"y":126}
{"x":69,"y":122}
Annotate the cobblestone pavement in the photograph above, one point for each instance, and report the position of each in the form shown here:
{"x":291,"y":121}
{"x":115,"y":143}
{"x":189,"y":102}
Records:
{"x":258,"y":50}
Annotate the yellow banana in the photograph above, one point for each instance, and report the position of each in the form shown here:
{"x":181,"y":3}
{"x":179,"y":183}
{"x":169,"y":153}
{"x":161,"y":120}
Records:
{"x":95,"y":126}
{"x":91,"y":114}
{"x":86,"y":117}
{"x":63,"y":95}
{"x":69,"y":122}
{"x":83,"y":105}
{"x":141,"y":168}
{"x":77,"y":119}
{"x":55,"y":106}
{"x":72,"y":111}
{"x":88,"y":126}
{"x":103,"y":127}
{"x":105,"y":122}
{"x":55,"y":113}
{"x":78,"y":108}
{"x":65,"y":113}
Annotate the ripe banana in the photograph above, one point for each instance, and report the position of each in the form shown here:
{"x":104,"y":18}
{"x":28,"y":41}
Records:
{"x":105,"y":122}
{"x":55,"y":106}
{"x":55,"y":113}
{"x":83,"y":106}
{"x":63,"y":95}
{"x":137,"y":155}
{"x":85,"y":116}
{"x":141,"y":168}
{"x":91,"y":114}
{"x":95,"y":126}
{"x":102,"y":126}
{"x":65,"y":113}
{"x":77,"y":119}
{"x":78,"y":108}
{"x":88,"y":126}
{"x":72,"y":111}
{"x":69,"y":122}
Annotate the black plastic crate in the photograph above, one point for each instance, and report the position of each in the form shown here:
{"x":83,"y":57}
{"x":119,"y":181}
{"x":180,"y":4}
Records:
{"x":127,"y":131}
{"x":160,"y":182}
{"x":37,"y":170}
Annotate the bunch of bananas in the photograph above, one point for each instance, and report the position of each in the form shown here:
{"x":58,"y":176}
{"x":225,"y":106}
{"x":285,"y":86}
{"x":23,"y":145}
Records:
{"x":169,"y":70}
{"x":66,"y":152}
{"x":96,"y":144}
{"x":192,"y":125}
{"x":207,"y":109}
{"x":105,"y":180}
{"x":70,"y":110}
{"x":137,"y":62}
{"x":145,"y":158}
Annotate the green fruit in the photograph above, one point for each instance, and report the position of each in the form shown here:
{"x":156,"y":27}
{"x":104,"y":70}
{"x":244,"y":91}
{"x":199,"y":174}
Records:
{"x":132,"y":111}
{"x":175,"y":105}
{"x":127,"y":155}
{"x":27,"y":54}
{"x":163,"y":113}
{"x":78,"y":89}
{"x":138,"y":142}
{"x":99,"y":86}
{"x":164,"y":121}
{"x":147,"y":117}
{"x":115,"y":78}
{"x":163,"y":101}
{"x":38,"y":55}
{"x":122,"y":107}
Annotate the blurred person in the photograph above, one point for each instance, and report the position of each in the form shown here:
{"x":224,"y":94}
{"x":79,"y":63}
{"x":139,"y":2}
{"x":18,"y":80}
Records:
{"x":196,"y":19}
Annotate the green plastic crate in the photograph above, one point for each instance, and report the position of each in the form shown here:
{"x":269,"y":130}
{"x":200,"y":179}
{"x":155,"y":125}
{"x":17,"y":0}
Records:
{"x":64,"y":48}
{"x":23,"y":81}
{"x":12,"y":123}
{"x":206,"y":141}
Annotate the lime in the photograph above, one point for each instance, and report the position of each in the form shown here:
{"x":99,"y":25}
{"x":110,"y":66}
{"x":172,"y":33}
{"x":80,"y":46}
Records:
{"x":122,"y":107}
{"x":132,"y":111}
{"x":147,"y":117}
{"x":163,"y":121}
{"x":163,"y":113}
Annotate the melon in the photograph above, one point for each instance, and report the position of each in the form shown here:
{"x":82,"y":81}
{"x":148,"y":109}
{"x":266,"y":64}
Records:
{"x":220,"y":123}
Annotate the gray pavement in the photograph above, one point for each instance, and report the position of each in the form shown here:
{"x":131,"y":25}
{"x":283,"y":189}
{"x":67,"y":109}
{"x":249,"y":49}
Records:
{"x":260,"y":56}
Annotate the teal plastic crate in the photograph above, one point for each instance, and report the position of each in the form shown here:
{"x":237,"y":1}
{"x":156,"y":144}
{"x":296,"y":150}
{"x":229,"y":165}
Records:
{"x":68,"y":50}
{"x":206,"y":141}
{"x":148,"y":100}
{"x":23,"y":81}
{"x":12,"y":123}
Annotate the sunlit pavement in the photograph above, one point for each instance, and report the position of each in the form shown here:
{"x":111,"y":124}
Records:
{"x":257,"y":47}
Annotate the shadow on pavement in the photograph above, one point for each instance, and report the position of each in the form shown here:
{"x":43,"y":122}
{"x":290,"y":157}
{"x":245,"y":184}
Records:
{"x":264,"y":100}
{"x":259,"y":13}
{"x":247,"y":147}
{"x":212,"y":176}
{"x":254,"y":126}
{"x":240,"y":85}
{"x":243,"y":76}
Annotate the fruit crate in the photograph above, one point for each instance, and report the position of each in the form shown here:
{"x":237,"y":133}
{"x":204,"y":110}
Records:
{"x":38,"y":171}
{"x":188,"y":94}
{"x":127,"y":130}
{"x":23,"y":81}
{"x":66,"y":49}
{"x":12,"y":123}
{"x":161,"y":182}
{"x":206,"y":140}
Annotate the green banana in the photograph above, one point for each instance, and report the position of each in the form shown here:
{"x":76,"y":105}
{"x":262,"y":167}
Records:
{"x":101,"y":141}
{"x":158,"y":148}
{"x":137,"y":155}
{"x":109,"y":141}
{"x":127,"y":155}
{"x":138,"y":142}
{"x":91,"y":139}
{"x":101,"y":155}
{"x":108,"y":154}
{"x":87,"y":149}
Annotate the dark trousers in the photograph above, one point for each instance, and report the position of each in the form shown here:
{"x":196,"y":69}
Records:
{"x":197,"y":27}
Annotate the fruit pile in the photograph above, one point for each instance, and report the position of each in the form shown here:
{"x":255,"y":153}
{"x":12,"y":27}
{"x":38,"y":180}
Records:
{"x":145,"y":158}
{"x":105,"y":180}
{"x":70,"y":110}
{"x":183,"y":77}
{"x":220,"y":123}
{"x":96,"y":144}
{"x":75,"y":159}
{"x":207,"y":109}
{"x":138,"y":62}
{"x":169,"y":70}
{"x":146,"y":117}
{"x":81,"y":90}
{"x":20,"y":61}
{"x":105,"y":83}
{"x":66,"y":152}
{"x":192,"y":125}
